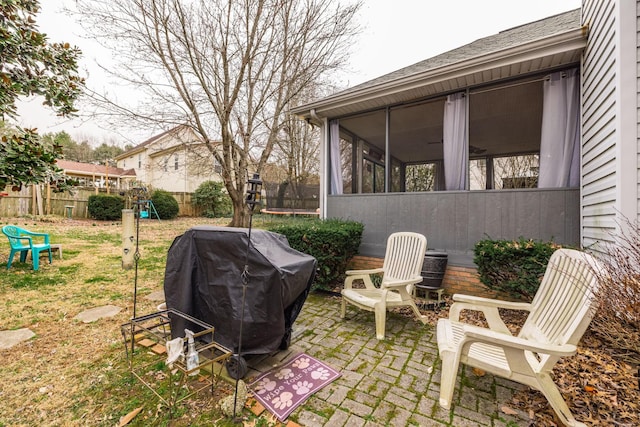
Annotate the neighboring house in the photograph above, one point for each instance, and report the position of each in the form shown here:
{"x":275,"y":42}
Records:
{"x":531,"y":132}
{"x":98,"y":176}
{"x":176,"y":161}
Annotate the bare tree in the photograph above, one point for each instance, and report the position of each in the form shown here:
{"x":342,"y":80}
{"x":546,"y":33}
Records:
{"x":227,"y":68}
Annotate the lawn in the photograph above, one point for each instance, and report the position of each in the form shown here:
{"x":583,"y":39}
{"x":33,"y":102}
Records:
{"x":72,"y":373}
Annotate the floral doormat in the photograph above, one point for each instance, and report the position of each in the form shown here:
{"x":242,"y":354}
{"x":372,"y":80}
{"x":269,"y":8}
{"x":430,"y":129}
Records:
{"x":283,"y":389}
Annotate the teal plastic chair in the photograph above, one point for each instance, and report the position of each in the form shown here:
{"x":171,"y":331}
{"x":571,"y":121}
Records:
{"x":21,"y":240}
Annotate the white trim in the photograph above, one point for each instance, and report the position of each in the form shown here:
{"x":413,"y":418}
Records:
{"x":324,"y":167}
{"x":626,"y":111}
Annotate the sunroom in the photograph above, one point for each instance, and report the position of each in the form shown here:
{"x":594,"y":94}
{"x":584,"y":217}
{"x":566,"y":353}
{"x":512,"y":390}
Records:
{"x":482,"y":141}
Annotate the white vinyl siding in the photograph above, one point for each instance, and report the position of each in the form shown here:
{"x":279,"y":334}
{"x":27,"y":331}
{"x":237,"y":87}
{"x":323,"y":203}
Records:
{"x":174,"y":161}
{"x":599,"y":119}
{"x":610,"y":119}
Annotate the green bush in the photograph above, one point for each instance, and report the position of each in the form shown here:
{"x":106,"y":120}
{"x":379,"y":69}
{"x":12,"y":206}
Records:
{"x":213,"y":198}
{"x":332,"y":242}
{"x":105,"y":207}
{"x":513,"y":266}
{"x":166,"y":205}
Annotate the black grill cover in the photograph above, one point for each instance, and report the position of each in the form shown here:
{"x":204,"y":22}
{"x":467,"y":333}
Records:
{"x":203,"y":278}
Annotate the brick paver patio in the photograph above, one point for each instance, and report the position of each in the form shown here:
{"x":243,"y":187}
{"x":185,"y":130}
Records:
{"x":394,"y":382}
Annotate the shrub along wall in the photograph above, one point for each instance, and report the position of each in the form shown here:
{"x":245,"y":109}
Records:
{"x":514,"y":267}
{"x":106,"y":207}
{"x":332,"y":242}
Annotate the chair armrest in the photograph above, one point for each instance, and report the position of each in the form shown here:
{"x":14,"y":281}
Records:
{"x":488,"y":302}
{"x":29,"y":239}
{"x":364,"y":272}
{"x":478,"y":334}
{"x":35,"y":233}
{"x":402,"y":283}
{"x":488,"y":307}
{"x":364,"y":275}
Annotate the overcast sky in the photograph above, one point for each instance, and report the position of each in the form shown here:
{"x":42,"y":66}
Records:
{"x":396,"y":33}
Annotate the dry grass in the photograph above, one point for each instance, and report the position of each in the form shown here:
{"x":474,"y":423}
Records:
{"x":72,"y":373}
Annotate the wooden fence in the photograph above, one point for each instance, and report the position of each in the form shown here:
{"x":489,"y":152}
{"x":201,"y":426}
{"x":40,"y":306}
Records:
{"x":40,"y":200}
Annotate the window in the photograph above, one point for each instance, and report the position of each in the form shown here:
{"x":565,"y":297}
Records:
{"x":165,"y":167}
{"x":504,"y":135}
{"x":478,"y":174}
{"x":175,"y":162}
{"x":516,"y":171}
{"x":504,"y":172}
{"x":139,"y":161}
{"x":372,"y":170}
{"x":217,"y":167}
{"x":504,"y":128}
{"x":420,"y":177}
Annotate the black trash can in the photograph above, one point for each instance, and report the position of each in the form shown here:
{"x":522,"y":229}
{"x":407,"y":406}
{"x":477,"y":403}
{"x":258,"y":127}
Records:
{"x":433,"y":269}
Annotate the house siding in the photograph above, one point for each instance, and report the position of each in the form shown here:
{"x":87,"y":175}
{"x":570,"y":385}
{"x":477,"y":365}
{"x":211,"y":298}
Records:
{"x":154,"y":162}
{"x":610,"y":120}
{"x":599,"y":122}
{"x":628,"y":110}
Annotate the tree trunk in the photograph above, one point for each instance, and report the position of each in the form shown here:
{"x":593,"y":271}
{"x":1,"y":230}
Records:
{"x":240,"y":215}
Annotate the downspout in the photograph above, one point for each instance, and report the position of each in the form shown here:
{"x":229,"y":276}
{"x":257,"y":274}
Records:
{"x":315,"y":116}
{"x":324,"y":169}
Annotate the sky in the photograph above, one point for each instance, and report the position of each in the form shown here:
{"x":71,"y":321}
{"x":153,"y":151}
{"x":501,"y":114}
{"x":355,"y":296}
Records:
{"x":395,"y":34}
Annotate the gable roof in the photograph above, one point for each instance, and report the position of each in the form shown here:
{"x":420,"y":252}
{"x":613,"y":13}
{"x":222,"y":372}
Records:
{"x":89,"y":169}
{"x":144,"y":145}
{"x":552,"y":42}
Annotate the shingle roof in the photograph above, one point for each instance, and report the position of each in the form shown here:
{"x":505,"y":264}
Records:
{"x":91,"y":169}
{"x":497,"y":42}
{"x":149,"y":141}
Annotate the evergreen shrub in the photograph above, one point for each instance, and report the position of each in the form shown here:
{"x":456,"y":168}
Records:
{"x":166,"y":205}
{"x":105,"y":207}
{"x":514,"y":267}
{"x":213,"y":198}
{"x":332,"y":242}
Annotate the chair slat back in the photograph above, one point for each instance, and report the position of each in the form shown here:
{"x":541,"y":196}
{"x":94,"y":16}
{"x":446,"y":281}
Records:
{"x":13,"y":233}
{"x":404,"y":255}
{"x":564,"y":304}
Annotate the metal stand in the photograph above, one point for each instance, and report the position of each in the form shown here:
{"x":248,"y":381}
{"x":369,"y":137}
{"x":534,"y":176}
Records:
{"x":253,"y":199}
{"x":149,"y":333}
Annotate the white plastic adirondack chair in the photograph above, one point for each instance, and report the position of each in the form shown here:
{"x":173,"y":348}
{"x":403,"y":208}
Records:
{"x":558,"y":317}
{"x":401,"y":270}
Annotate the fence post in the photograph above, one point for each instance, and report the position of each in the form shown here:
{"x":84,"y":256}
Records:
{"x":128,"y":238}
